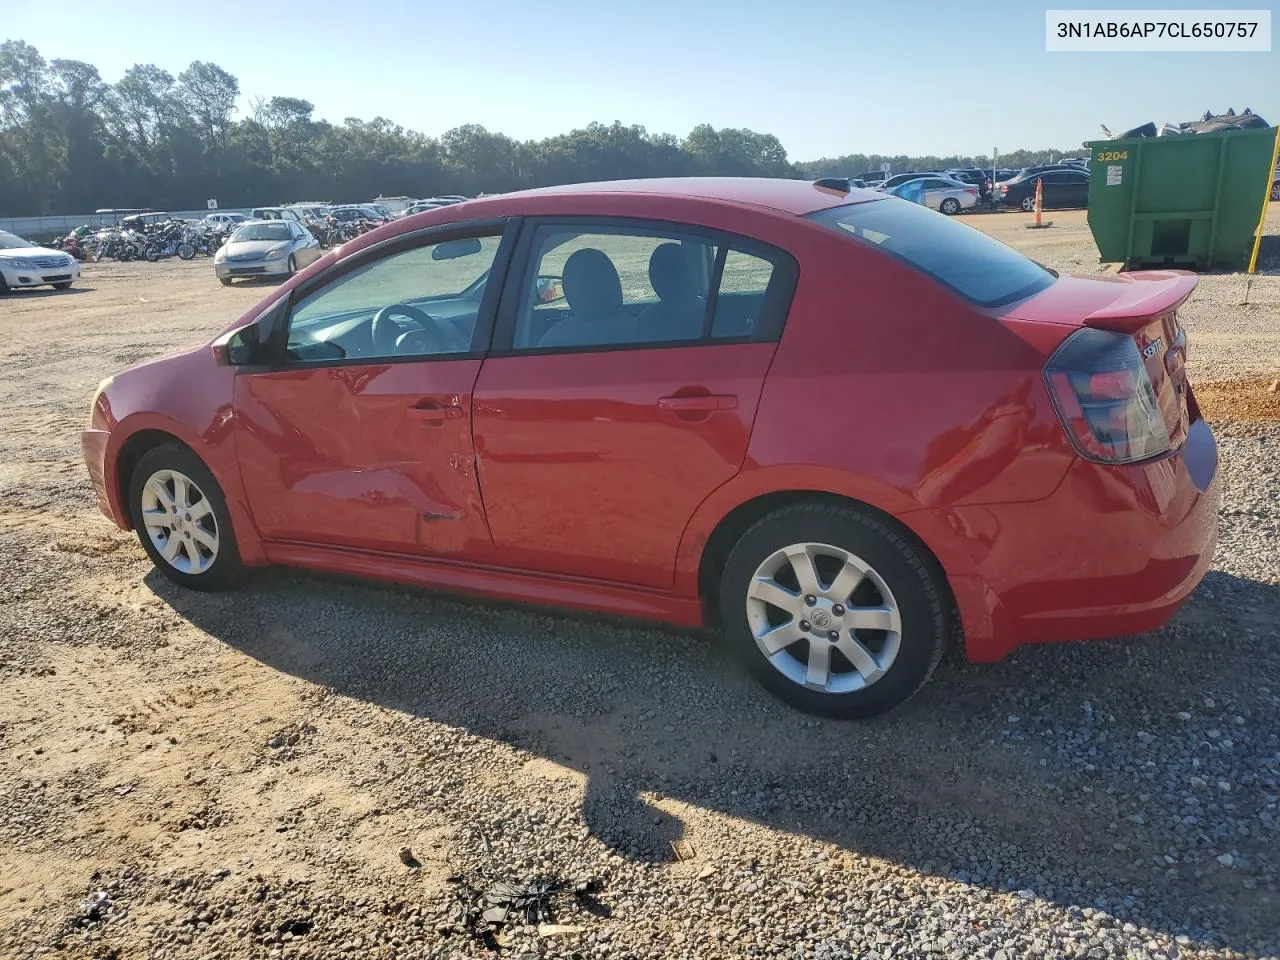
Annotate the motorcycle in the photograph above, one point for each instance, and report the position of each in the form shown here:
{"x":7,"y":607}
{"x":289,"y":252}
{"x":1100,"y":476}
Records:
{"x":70,"y":244}
{"x":132,"y":245}
{"x":74,"y":242}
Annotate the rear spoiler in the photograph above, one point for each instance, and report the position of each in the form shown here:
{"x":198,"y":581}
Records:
{"x":1151,"y":293}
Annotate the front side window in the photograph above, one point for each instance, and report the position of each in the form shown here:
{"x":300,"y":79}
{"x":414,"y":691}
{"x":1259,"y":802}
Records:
{"x":416,"y":303}
{"x":980,"y":269}
{"x":622,"y":286}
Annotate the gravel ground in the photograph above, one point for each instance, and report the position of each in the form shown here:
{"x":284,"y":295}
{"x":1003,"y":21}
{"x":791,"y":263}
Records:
{"x":237,"y":776}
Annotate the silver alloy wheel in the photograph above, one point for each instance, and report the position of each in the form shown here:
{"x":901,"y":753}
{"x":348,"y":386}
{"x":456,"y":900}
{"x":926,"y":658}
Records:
{"x":179,"y":520}
{"x":824,"y":618}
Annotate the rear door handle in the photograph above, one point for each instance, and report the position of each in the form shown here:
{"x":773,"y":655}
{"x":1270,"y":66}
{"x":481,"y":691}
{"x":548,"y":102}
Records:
{"x":435,"y":414}
{"x":699,"y":404}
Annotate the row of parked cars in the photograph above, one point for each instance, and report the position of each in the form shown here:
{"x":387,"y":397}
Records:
{"x":282,"y":240}
{"x":1065,"y":184}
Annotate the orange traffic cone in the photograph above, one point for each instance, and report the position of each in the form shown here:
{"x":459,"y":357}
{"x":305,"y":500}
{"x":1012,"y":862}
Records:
{"x":1036,"y":223}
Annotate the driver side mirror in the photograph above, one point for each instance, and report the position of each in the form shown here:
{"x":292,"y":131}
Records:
{"x":239,"y":348}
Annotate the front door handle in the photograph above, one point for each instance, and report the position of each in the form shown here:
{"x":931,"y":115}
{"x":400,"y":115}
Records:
{"x":704,"y":403}
{"x":435,"y":414}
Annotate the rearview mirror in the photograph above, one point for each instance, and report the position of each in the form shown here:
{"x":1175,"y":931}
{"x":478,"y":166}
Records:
{"x":452,"y":249}
{"x":548,"y":289}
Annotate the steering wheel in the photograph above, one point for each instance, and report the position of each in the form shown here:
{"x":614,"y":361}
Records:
{"x":423,"y":334}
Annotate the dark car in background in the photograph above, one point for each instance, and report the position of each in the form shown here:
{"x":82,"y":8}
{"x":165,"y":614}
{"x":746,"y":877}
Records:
{"x":977,"y":177}
{"x":1063,"y":187}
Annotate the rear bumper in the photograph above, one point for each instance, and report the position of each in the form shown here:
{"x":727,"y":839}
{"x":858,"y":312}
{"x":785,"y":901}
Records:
{"x":1113,"y":551}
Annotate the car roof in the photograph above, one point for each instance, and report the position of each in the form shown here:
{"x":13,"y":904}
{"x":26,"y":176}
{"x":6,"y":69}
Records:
{"x":797,"y":197}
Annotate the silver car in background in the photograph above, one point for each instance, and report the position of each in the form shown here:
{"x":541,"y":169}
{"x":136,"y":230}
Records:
{"x":941,"y":193}
{"x":266,"y":248}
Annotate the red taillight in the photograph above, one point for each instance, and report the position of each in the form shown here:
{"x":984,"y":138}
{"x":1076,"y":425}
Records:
{"x":1105,"y":398}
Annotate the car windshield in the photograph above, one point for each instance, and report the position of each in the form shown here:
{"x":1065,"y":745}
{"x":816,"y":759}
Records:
{"x":10,"y":241}
{"x":261,"y":231}
{"x":966,"y":260}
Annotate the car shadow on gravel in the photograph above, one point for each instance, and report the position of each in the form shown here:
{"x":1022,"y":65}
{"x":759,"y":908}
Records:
{"x":40,"y":293}
{"x":1135,"y":776}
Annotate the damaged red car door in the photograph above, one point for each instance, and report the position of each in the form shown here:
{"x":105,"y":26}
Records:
{"x":360,"y":435}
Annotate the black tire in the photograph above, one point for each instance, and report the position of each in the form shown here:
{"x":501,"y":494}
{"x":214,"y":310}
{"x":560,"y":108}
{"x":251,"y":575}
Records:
{"x":1275,"y":190}
{"x":950,"y":206}
{"x":4,"y":287}
{"x":1028,"y":204}
{"x":226,"y":281}
{"x":226,"y":570}
{"x":293,"y":265}
{"x":186,"y":251}
{"x":62,"y":285}
{"x":916,"y":588}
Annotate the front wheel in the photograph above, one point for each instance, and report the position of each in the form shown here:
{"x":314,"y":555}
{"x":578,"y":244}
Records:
{"x":226,"y":281}
{"x":1275,"y":191}
{"x":293,"y":265}
{"x":833,"y":610}
{"x":62,"y":285}
{"x":950,"y":206}
{"x":186,"y":251}
{"x":181,"y":518}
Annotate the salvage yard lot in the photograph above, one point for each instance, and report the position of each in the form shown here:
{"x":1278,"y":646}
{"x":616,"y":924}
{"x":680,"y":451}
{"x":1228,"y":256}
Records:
{"x":239,"y":772}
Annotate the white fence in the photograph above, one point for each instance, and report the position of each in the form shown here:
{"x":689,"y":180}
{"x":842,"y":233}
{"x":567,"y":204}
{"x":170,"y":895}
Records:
{"x":46,"y":228}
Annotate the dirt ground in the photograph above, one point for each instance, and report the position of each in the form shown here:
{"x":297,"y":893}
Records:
{"x":236,"y":775}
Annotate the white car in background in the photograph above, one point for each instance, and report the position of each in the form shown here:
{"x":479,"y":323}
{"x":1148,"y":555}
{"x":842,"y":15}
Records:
{"x":228,"y":221}
{"x":24,"y":264}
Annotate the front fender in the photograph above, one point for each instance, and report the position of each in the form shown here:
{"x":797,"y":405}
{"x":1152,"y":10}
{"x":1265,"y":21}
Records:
{"x":187,"y":397}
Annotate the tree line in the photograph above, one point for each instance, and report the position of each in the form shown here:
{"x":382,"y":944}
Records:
{"x":71,"y":143}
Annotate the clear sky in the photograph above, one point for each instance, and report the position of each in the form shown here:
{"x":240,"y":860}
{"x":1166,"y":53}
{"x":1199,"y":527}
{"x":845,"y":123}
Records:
{"x":827,"y":77}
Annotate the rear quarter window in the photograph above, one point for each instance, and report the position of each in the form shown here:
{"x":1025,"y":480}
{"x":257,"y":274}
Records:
{"x":965,"y":260}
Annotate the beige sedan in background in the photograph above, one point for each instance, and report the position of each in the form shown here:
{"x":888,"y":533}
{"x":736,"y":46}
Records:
{"x":265,"y":248}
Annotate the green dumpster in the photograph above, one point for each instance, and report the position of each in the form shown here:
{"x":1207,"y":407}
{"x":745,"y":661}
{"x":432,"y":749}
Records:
{"x":1190,"y":201}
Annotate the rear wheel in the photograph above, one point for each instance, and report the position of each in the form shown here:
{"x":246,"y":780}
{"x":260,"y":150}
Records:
{"x":833,"y":610}
{"x":1029,"y":204}
{"x":181,"y":518}
{"x":950,"y":206}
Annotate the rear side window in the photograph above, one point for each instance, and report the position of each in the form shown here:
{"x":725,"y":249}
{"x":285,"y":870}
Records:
{"x":615,"y":284}
{"x":961,"y":258}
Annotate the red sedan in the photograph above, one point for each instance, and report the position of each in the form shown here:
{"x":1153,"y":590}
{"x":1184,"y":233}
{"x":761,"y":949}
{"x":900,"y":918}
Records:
{"x":839,"y":426}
